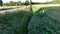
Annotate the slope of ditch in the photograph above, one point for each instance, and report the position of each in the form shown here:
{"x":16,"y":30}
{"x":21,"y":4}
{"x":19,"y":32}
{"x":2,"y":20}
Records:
{"x":45,"y":23}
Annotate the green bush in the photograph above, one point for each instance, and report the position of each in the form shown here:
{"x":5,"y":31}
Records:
{"x":26,"y":3}
{"x":14,"y":23}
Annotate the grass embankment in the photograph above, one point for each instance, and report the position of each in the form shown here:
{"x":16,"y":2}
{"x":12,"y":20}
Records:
{"x":15,"y":22}
{"x":35,"y":8}
{"x":45,"y":23}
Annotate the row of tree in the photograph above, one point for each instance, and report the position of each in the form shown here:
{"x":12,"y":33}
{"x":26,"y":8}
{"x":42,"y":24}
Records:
{"x":11,"y":3}
{"x":17,"y":3}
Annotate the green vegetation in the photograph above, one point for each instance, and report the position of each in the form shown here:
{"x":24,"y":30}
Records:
{"x":5,"y":9}
{"x":35,"y":8}
{"x":19,"y":3}
{"x":45,"y":23}
{"x":56,"y":2}
{"x":53,"y":2}
{"x":15,"y":22}
{"x":53,"y":12}
{"x":11,"y":3}
{"x":27,"y":2}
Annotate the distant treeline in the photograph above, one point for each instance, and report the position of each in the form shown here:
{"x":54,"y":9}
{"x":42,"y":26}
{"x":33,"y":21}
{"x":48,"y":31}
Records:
{"x":19,"y":3}
{"x":11,"y":3}
{"x":53,"y":2}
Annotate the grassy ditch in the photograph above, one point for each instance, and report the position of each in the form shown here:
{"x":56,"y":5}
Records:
{"x":15,"y":22}
{"x":45,"y":23}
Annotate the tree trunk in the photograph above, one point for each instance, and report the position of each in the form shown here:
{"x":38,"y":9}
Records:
{"x":31,"y":6}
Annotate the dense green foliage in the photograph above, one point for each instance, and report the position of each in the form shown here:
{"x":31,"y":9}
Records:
{"x":11,"y":3}
{"x":27,"y":2}
{"x":45,"y":23}
{"x":19,"y":3}
{"x":54,"y":13}
{"x":14,"y":23}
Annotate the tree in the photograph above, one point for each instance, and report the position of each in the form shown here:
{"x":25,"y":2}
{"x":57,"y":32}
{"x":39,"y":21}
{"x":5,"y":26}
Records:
{"x":31,"y":6}
{"x":27,"y":2}
{"x":1,"y":3}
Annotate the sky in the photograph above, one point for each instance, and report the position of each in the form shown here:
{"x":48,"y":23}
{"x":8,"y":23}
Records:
{"x":4,"y":1}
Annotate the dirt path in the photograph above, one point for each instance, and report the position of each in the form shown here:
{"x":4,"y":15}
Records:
{"x":23,"y":7}
{"x":12,"y":10}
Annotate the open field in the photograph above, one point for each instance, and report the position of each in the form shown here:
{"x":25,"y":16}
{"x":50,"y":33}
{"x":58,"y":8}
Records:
{"x":38,"y":6}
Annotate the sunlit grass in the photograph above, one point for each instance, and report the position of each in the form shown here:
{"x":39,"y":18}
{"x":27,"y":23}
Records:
{"x":35,"y":8}
{"x":38,"y":6}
